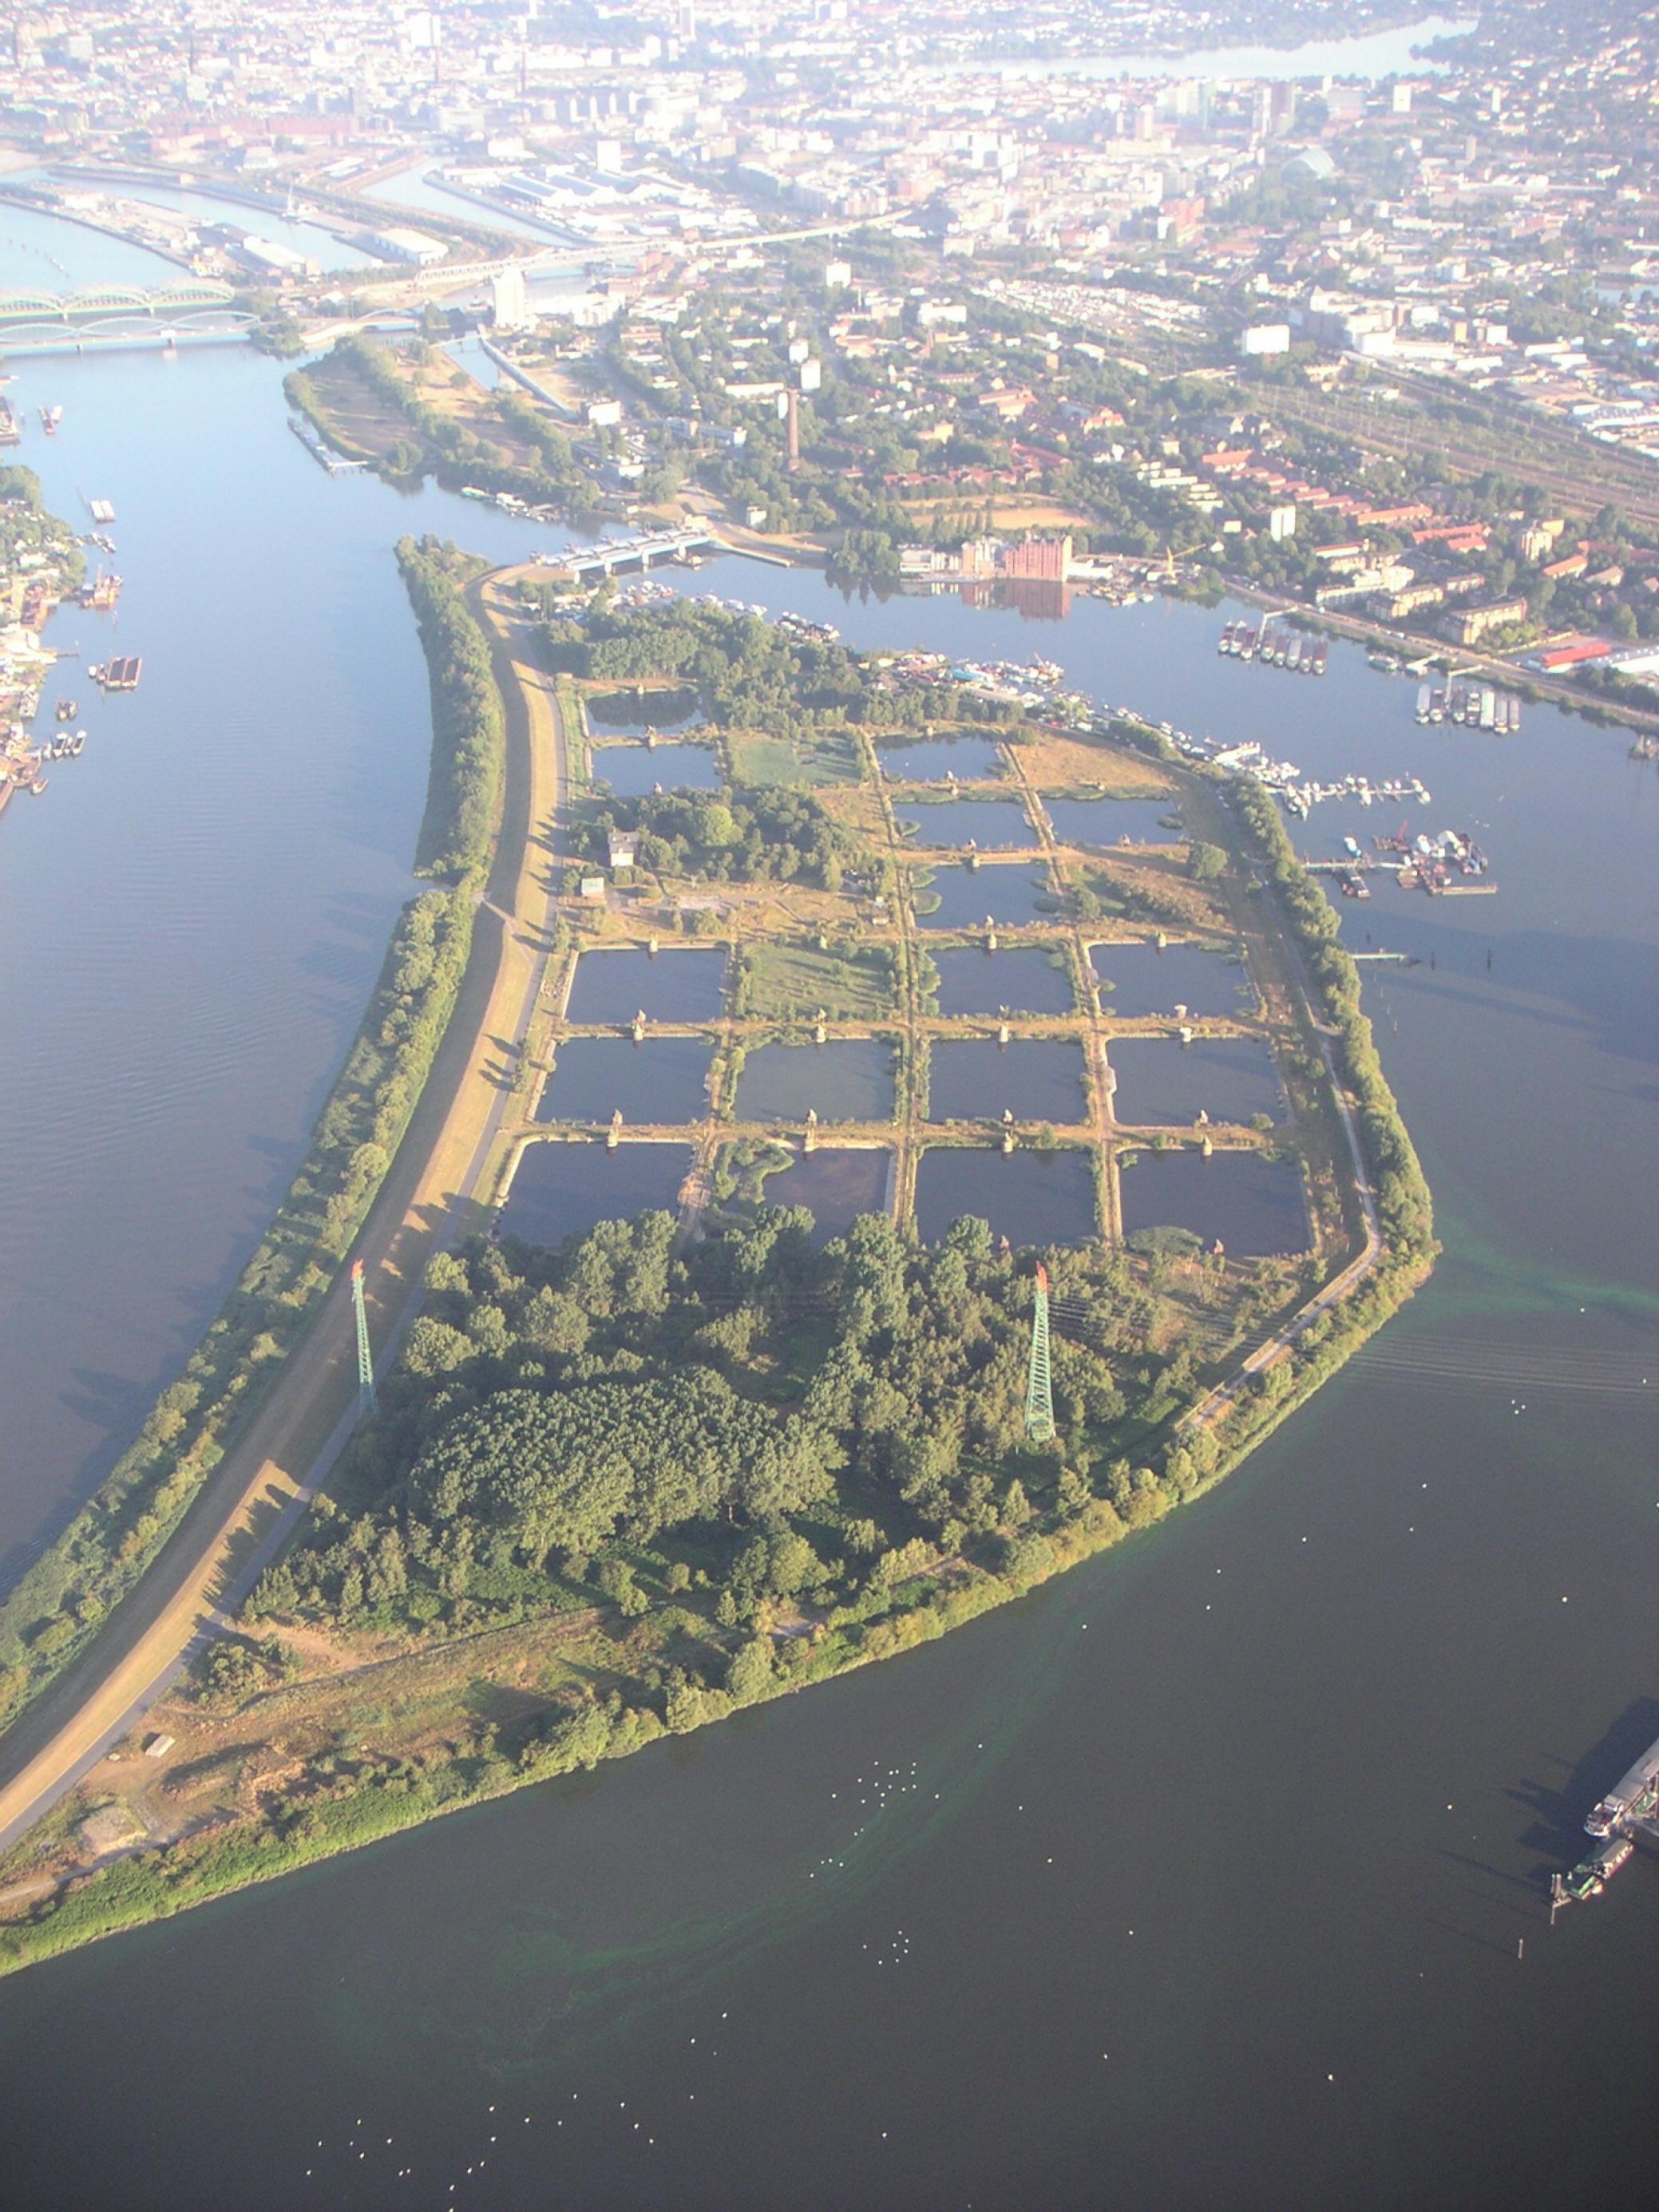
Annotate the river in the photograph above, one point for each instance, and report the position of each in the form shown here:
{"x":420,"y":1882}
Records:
{"x":1196,"y":1878}
{"x":1373,"y":54}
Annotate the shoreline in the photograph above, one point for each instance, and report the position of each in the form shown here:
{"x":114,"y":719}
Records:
{"x":309,"y":1412}
{"x":262,"y":1474}
{"x":221,"y":1863}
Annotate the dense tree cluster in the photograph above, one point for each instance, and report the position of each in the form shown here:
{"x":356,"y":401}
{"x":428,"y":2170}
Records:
{"x":770,"y":833}
{"x":468,"y":736}
{"x":1402,"y":1192}
{"x":795,"y":1420}
{"x":749,"y":673}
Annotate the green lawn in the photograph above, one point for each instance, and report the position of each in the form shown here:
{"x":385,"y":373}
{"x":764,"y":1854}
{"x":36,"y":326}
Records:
{"x":801,"y":762}
{"x":783,"y":982}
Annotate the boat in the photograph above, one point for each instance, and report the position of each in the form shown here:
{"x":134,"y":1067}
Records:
{"x":49,"y":418}
{"x":1635,"y":1797}
{"x":1612,"y":1856}
{"x":103,"y":591}
{"x":67,"y":710}
{"x":1423,"y":694}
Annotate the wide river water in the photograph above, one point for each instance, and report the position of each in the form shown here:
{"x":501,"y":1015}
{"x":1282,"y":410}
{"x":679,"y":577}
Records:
{"x":1211,"y":1875}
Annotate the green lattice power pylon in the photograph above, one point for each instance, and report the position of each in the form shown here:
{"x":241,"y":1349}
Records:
{"x":365,"y":1356}
{"x":1039,"y":1395}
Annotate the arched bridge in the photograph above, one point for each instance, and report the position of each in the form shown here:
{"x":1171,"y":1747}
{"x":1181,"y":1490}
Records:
{"x":162,"y":302}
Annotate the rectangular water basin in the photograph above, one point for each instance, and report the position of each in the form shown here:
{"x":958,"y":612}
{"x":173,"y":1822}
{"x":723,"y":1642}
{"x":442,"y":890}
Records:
{"x":1147,"y":981}
{"x":664,"y":986}
{"x":1017,"y":980}
{"x":1100,"y":824}
{"x":849,"y":1080}
{"x":835,"y":1185}
{"x":661,"y":1079}
{"x":1010,"y":895}
{"x":666,"y":712}
{"x":937,"y":760}
{"x":1159,"y":1079}
{"x":1030,"y":1197}
{"x":1254,"y":1204}
{"x":562,"y":1190}
{"x":994,"y":825}
{"x":976,"y":1078}
{"x":632,"y":771}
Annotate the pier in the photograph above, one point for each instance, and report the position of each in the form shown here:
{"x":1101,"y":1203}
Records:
{"x":337,"y":464}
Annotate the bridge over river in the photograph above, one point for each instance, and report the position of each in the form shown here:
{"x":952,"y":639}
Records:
{"x":177,"y":301}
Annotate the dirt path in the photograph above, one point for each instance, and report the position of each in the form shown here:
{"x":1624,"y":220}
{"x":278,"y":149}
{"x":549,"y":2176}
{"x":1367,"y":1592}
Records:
{"x":262,"y":1483}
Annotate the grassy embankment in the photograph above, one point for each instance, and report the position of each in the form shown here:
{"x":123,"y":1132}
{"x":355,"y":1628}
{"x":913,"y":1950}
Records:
{"x":56,"y":1609}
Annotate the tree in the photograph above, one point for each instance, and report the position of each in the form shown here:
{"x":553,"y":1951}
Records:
{"x":750,"y":1674}
{"x":1205,"y":864}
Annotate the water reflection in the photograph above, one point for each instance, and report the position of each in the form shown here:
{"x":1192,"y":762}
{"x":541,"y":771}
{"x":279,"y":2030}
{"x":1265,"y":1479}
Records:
{"x":1161,"y":1079}
{"x":1018,"y":979}
{"x":995,"y":826}
{"x":979,"y":1079}
{"x":1253,"y":1204}
{"x":663,"y":1079}
{"x":633,"y":771}
{"x":849,"y":1080}
{"x":964,"y":897}
{"x":939,"y":760}
{"x":836,"y":1185}
{"x":1031,"y":1196}
{"x":562,"y":1190}
{"x":1144,"y":980}
{"x":670,"y":985}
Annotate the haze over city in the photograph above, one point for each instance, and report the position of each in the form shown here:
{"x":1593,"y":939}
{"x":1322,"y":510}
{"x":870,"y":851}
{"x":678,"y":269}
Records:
{"x":827,"y":840}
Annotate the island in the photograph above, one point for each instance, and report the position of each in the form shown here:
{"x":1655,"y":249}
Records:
{"x":849,"y":1137}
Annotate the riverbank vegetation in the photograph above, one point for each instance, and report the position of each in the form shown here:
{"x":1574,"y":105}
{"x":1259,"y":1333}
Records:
{"x":619,"y":1485}
{"x":618,"y":1491}
{"x":464,"y":787}
{"x":57,"y":1606}
{"x":413,"y":412}
{"x":40,"y":562}
{"x":1398,"y":1182}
